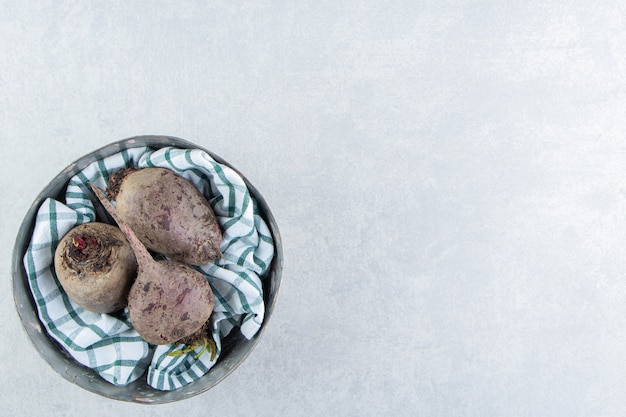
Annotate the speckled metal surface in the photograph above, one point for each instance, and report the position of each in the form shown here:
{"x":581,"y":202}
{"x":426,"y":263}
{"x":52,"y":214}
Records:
{"x":448,"y":177}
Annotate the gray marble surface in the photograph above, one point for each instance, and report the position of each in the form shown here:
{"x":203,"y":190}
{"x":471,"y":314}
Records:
{"x":448,"y":176}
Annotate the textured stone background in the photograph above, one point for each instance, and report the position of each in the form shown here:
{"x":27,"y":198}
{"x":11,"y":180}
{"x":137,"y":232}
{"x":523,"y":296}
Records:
{"x":448,"y":177}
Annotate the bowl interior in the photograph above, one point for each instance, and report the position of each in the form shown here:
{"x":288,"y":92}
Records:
{"x":235,"y":347}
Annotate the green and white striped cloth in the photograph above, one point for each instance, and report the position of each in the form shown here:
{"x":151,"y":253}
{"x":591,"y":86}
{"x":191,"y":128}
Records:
{"x":108,"y":343}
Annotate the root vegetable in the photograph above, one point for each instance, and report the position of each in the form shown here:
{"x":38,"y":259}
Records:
{"x":168,"y":214}
{"x":169,"y":300}
{"x":96,"y":266}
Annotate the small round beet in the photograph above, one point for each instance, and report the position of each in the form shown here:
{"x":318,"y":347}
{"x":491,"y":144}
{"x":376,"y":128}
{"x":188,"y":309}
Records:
{"x":96,"y":266}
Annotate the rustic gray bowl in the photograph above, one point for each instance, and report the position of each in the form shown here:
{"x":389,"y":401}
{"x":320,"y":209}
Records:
{"x":235,"y":348}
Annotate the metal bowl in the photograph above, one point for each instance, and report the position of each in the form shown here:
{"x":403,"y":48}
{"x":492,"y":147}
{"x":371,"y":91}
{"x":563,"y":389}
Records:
{"x":235,"y":347}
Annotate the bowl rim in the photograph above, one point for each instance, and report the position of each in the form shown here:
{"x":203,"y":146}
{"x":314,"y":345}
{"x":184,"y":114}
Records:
{"x":61,"y":362}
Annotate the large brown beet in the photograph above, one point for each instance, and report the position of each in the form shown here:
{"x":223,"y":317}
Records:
{"x":169,"y":300}
{"x":167,"y":213}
